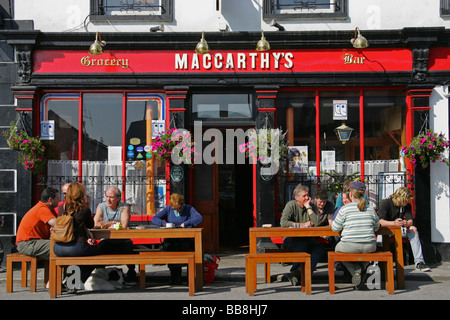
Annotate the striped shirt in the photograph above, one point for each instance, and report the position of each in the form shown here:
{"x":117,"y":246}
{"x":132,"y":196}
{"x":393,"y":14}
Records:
{"x":356,"y":226}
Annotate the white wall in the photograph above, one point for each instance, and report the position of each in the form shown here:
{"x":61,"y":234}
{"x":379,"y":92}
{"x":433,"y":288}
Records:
{"x":239,"y":15}
{"x":439,"y":172}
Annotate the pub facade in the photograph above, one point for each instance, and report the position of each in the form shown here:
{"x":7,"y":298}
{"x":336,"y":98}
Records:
{"x":98,"y":114}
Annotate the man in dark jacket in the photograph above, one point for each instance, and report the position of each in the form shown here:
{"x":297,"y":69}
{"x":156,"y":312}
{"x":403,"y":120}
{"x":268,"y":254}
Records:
{"x":396,"y":211}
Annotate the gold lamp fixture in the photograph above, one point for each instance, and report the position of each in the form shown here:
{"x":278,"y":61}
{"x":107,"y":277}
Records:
{"x":343,"y":132}
{"x":96,"y":47}
{"x":263,"y":44}
{"x":359,"y":42}
{"x":202,"y":46}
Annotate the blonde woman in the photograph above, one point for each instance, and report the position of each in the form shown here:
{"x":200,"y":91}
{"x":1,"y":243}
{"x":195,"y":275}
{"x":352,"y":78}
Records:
{"x":396,"y":211}
{"x":357,"y":223}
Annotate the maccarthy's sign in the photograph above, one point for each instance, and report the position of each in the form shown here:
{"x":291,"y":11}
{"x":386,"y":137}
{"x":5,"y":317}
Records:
{"x":231,"y":61}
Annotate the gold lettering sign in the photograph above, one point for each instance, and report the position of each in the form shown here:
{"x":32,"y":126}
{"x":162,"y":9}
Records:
{"x":87,"y":61}
{"x":351,"y":59}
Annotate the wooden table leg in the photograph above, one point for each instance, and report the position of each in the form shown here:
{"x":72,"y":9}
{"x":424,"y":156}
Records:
{"x":33,"y":275}
{"x":9,"y":275}
{"x":142,"y":276}
{"x":52,"y":279}
{"x":399,"y":263}
{"x":191,"y":276}
{"x":252,"y":277}
{"x":308,"y":276}
{"x":331,"y":284}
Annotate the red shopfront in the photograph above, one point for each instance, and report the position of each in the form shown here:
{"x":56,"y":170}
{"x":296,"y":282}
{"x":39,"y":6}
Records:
{"x":103,"y":122}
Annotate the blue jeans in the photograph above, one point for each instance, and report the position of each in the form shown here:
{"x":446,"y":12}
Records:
{"x":77,"y":249}
{"x":305,"y":244}
{"x":416,"y":247}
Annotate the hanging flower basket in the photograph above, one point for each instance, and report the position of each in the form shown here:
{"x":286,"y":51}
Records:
{"x":427,"y":147}
{"x":180,"y":140}
{"x":31,"y":151}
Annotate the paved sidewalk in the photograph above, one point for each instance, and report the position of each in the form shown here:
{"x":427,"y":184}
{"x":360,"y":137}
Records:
{"x":229,"y":285}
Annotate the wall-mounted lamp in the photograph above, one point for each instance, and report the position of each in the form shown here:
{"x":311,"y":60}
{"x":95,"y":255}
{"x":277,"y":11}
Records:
{"x":157,"y":28}
{"x":263,"y":44}
{"x":359,"y":41}
{"x":275,"y":24}
{"x":343,"y":132}
{"x":96,"y":47}
{"x":202,"y":46}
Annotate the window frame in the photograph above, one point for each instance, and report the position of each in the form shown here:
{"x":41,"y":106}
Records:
{"x":96,"y":13}
{"x":445,"y":8}
{"x":269,"y":13}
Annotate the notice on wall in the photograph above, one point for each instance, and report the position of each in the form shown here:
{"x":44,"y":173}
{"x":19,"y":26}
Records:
{"x":115,"y":155}
{"x":48,"y":130}
{"x":339,"y":109}
{"x":158,"y":126}
{"x":328,"y":160}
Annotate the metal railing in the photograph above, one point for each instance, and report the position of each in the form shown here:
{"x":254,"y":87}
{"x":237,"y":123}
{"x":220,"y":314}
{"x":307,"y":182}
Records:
{"x":378,"y":186}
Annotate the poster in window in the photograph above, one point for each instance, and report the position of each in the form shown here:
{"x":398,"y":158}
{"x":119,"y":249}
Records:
{"x":298,"y":159}
{"x":328,"y":160}
{"x":339,"y":109}
{"x":48,"y":130}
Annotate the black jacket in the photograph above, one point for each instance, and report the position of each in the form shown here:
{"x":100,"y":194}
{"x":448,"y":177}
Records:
{"x":388,"y":211}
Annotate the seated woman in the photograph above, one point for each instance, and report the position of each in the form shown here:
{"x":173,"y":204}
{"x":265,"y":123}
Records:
{"x":183,"y":216}
{"x":83,"y":244}
{"x":357,"y":223}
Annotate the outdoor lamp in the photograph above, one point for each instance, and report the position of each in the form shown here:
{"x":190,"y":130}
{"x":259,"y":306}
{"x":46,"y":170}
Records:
{"x":343,"y":133}
{"x":359,"y":41}
{"x":202,"y":46}
{"x":263,"y":44}
{"x":96,"y":47}
{"x":157,"y":28}
{"x":275,"y":24}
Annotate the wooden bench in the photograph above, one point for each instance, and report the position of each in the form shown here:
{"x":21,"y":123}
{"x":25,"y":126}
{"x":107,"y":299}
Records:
{"x":267,"y":265}
{"x":357,"y":257}
{"x":252,"y":259}
{"x":142,"y":259}
{"x":24,"y":259}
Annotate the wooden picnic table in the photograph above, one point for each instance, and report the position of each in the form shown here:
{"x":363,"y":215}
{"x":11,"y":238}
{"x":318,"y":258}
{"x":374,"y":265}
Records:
{"x":386,"y":232}
{"x":152,"y":233}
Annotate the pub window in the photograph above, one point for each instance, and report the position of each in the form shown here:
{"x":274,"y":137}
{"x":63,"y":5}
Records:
{"x":328,"y":139}
{"x":231,"y":106}
{"x":445,"y":8}
{"x":299,"y":9}
{"x":106,"y":141}
{"x":132,"y":10}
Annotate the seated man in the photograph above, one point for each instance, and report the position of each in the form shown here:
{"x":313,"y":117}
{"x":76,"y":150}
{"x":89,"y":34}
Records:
{"x":325,"y":208}
{"x":33,"y":235}
{"x":181,"y":215}
{"x":110,"y":212}
{"x":396,"y":211}
{"x":301,"y":211}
